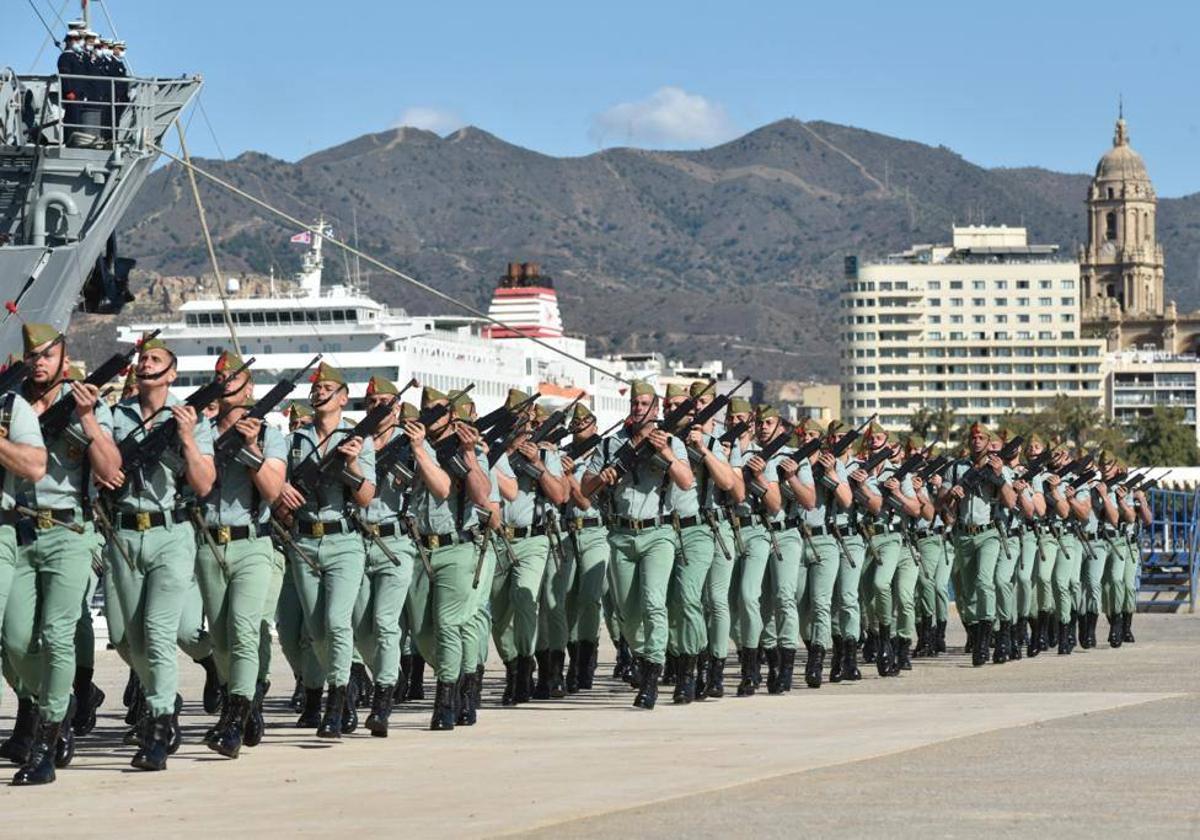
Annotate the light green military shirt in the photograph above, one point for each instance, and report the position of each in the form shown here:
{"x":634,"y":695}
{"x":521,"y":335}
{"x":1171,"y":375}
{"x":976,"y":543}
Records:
{"x":23,"y":428}
{"x":162,"y":488}
{"x":231,"y":501}
{"x":639,"y":495}
{"x":331,"y":500}
{"x":62,"y":487}
{"x":454,"y":513}
{"x":737,"y":459}
{"x":975,"y":508}
{"x":826,"y":508}
{"x":708,"y":495}
{"x":390,"y":500}
{"x":530,"y":505}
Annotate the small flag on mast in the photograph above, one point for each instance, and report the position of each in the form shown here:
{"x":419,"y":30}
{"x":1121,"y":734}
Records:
{"x":303,"y":238}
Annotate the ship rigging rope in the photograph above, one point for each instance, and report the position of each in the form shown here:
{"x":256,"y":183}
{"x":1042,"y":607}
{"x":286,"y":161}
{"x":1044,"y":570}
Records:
{"x":395,"y":272}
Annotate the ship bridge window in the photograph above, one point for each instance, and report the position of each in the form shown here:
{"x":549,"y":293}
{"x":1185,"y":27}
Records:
{"x":310,"y":317}
{"x":272,"y":318}
{"x":258,"y":319}
{"x":326,"y":316}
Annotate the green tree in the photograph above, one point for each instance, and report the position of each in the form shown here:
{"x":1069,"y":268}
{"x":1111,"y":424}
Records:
{"x":1161,"y":438}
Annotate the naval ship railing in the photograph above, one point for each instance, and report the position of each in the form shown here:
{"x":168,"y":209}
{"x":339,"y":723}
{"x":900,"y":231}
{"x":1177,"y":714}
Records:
{"x":92,"y":111}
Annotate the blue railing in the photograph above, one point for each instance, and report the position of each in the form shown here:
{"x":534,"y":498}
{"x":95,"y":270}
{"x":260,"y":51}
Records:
{"x":1170,"y":551}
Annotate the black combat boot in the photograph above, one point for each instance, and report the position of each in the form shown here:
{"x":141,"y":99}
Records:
{"x":400,"y":690}
{"x":213,"y":733}
{"x":885,"y":659}
{"x":939,"y":644}
{"x":17,"y":746}
{"x":850,"y":670}
{"x":572,"y":685}
{"x":359,"y":688}
{"x":256,"y":724}
{"x":748,"y":657}
{"x":903,"y":659}
{"x":64,"y":748}
{"x":335,"y":709}
{"x":416,"y":679}
{"x":1072,"y":639}
{"x":38,"y":768}
{"x":979,"y":643}
{"x":88,"y":698}
{"x":621,"y":666}
{"x":669,"y":669}
{"x":444,"y":715}
{"x":773,"y":658}
{"x":1092,"y":618}
{"x":716,"y":679}
{"x":647,"y":694}
{"x":685,"y":680}
{"x":1018,"y":637}
{"x":381,"y":710}
{"x":311,"y":716}
{"x":229,"y":744}
{"x":156,"y":744}
{"x":835,"y":662}
{"x":466,"y":700}
{"x":1064,"y":639}
{"x":787,"y":668}
{"x":479,"y":672}
{"x":350,"y":711}
{"x":1127,"y":628}
{"x":558,"y":686}
{"x":1050,"y":627}
{"x":296,"y":703}
{"x":1081,"y":630}
{"x":132,"y":686}
{"x":1037,"y":640}
{"x":870,"y":647}
{"x":1000,"y":655}
{"x":815,"y":665}
{"x":541,"y":691}
{"x":702,"y":674}
{"x":759,"y":661}
{"x":510,"y":682}
{"x":633,"y":674}
{"x":524,"y":676}
{"x":587,"y":665}
{"x":1115,"y":626}
{"x":212,"y":684}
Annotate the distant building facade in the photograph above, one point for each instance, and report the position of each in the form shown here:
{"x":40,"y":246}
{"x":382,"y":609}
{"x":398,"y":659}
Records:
{"x":1137,"y":381}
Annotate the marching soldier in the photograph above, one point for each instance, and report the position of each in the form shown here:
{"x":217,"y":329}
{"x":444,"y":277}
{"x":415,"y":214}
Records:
{"x":157,"y":539}
{"x":847,"y":612}
{"x":640,"y":533}
{"x":1038,"y":549}
{"x":54,"y":554}
{"x":329,"y":557}
{"x":235,"y":559}
{"x":1009,"y":559}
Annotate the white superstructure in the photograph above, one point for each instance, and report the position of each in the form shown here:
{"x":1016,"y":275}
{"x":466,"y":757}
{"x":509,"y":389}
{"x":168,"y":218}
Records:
{"x":365,"y":338}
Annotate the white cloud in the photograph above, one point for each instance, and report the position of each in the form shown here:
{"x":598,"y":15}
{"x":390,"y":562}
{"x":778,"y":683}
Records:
{"x":438,"y":120}
{"x":668,"y":117}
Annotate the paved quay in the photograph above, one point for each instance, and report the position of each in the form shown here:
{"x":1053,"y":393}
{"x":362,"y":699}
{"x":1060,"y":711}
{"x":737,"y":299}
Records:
{"x":1103,"y":741}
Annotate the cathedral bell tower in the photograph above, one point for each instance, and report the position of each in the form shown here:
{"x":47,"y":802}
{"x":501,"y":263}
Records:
{"x":1122,"y":266}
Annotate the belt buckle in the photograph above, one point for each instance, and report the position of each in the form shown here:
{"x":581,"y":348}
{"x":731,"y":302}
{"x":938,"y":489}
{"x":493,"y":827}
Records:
{"x":142,"y":520}
{"x":372,"y":528}
{"x":435,"y":541}
{"x":318,"y":528}
{"x":224,"y":534}
{"x":45,"y":519}
{"x":510,"y":532}
{"x":578,"y":523}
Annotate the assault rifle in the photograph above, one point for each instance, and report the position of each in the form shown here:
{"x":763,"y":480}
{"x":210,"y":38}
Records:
{"x":393,"y":460}
{"x":977,"y":475}
{"x":498,"y":424}
{"x":12,"y":377}
{"x":733,"y":432}
{"x":875,"y":459}
{"x":56,"y":418}
{"x":707,"y":413}
{"x":518,"y":462}
{"x":843,"y":443}
{"x":766,"y":453}
{"x":579,"y":447}
{"x":230,"y":444}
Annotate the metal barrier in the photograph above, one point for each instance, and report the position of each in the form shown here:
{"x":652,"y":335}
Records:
{"x":1170,"y":551}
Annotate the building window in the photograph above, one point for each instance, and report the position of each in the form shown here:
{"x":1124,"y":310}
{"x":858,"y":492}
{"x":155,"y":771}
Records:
{"x":935,"y":301}
{"x":1110,"y":222}
{"x":1045,"y":335}
{"x":1001,"y":319}
{"x":955,"y":284}
{"x":978,"y":319}
{"x":1044,"y":318}
{"x":1002,"y":336}
{"x":1022,"y":284}
{"x":978,"y":285}
{"x":1067,"y":284}
{"x":1001,"y":284}
{"x":1023,"y":335}
{"x":935,"y":319}
{"x":1001,"y":301}
{"x":934,"y":285}
{"x":1045,"y":284}
{"x":978,"y":302}
{"x":934,"y":336}
{"x":956,"y":319}
{"x":1022,"y":319}
{"x":1022,"y":301}
{"x":1068,"y":317}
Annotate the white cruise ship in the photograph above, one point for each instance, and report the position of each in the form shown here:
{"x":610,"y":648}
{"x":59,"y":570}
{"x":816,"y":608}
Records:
{"x":364,"y":338}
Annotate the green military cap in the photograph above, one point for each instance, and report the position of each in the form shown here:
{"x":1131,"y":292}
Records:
{"x":640,"y":388}
{"x":431,"y":395}
{"x":739,"y":405}
{"x":130,"y":381}
{"x":977,"y":428}
{"x":462,"y":410}
{"x":74,"y":373}
{"x":156,"y":343}
{"x":833,"y":428}
{"x":794,"y":440}
{"x":804,"y":425}
{"x":697,"y":388}
{"x":674,"y":390}
{"x":228,"y":361}
{"x":382,"y":386}
{"x":35,"y":335}
{"x":875,"y":429}
{"x":297,"y":410}
{"x":581,"y":413}
{"x":893,"y":439}
{"x":1033,"y":438}
{"x":515,"y":397}
{"x":540,"y":414}
{"x":327,"y":373}
{"x":763,"y":411}
{"x":914,"y":441}
{"x":408,"y":411}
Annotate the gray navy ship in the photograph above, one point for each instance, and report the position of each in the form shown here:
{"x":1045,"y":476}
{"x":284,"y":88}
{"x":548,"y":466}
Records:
{"x":75,"y":149}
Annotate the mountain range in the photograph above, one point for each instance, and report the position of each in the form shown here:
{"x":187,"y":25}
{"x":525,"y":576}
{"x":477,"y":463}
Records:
{"x":731,"y":252}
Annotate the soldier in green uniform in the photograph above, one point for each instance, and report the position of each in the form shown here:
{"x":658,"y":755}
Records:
{"x":154,"y":533}
{"x":54,"y":557}
{"x":1113,"y":591}
{"x":235,"y":560}
{"x":391,"y":557}
{"x":329,"y":554}
{"x":1143,"y":516}
{"x":933,"y":551}
{"x":846,"y":608}
{"x":587,"y":554}
{"x":1007,"y":562}
{"x":698,"y":532}
{"x":641,"y":536}
{"x":446,"y":505}
{"x":1096,"y":508}
{"x":1038,"y":548}
{"x":531,"y":485}
{"x":977,"y":541}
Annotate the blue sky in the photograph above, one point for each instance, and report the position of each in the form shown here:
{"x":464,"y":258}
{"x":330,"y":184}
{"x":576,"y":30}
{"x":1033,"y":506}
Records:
{"x":1029,"y":83}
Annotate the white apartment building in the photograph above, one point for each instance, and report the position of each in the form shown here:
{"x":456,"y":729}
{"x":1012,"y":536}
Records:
{"x":1138,"y":380}
{"x":986,"y":325}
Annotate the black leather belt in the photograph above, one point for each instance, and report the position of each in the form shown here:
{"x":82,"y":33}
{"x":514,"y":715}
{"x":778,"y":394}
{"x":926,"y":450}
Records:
{"x":875,"y":529}
{"x":1109,"y":533}
{"x":45,"y":518}
{"x":637,"y":524}
{"x":222,"y":534}
{"x":526,"y":532}
{"x":741,"y":521}
{"x":433,"y":541}
{"x":144,"y":520}
{"x":579,"y":523}
{"x":785,"y":525}
{"x":689,"y":521}
{"x":972,"y":530}
{"x":819,"y":531}
{"x":382,"y":529}
{"x":321,"y":528}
